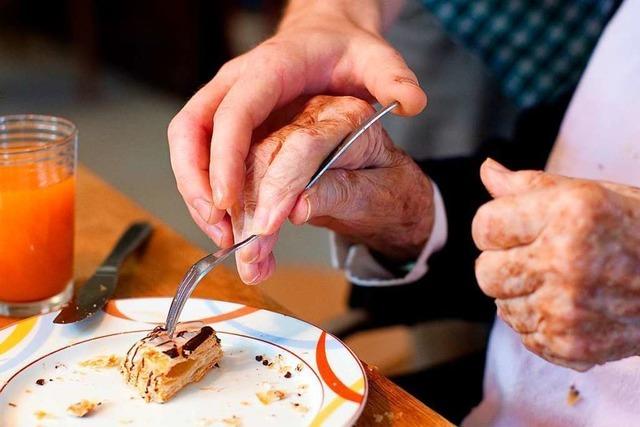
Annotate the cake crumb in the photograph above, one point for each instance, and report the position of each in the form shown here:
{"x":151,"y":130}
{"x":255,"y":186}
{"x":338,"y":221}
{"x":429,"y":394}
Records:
{"x":233,"y":421}
{"x":300,"y":408}
{"x":13,"y":405}
{"x":40,"y":415}
{"x":110,"y":361}
{"x":40,"y":381}
{"x":268,"y":395}
{"x":378,"y":418}
{"x":82,"y":408}
{"x":573,"y":396}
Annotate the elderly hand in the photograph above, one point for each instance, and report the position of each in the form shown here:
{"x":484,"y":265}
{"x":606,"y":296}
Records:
{"x":562,"y":258}
{"x":374,"y":194}
{"x":331,"y":46}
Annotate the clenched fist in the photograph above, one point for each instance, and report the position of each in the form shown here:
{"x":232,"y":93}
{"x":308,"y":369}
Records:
{"x":562,"y":258}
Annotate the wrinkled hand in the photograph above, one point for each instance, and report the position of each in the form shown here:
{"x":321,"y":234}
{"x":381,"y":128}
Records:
{"x":562,"y":258}
{"x":317,"y":49}
{"x":374,"y":194}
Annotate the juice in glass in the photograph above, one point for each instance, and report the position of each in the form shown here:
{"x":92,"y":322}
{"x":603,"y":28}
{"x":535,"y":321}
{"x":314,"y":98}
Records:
{"x":37,"y":189}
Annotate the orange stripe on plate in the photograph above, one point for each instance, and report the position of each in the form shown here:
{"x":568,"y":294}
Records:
{"x":334,"y":405}
{"x":20,"y":331}
{"x":233,"y":314}
{"x":329,"y":376}
{"x":113,"y":310}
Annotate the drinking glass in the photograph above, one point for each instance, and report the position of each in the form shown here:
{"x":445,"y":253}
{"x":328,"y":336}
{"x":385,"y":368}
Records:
{"x":37,"y":191}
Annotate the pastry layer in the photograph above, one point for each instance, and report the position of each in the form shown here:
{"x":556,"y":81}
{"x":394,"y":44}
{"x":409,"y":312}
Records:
{"x":158,"y":366}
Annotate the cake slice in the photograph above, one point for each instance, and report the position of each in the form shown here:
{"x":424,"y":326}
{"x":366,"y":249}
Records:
{"x":158,"y":366}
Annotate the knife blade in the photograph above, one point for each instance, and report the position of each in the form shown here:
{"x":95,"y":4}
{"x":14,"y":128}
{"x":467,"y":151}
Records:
{"x":95,"y":293}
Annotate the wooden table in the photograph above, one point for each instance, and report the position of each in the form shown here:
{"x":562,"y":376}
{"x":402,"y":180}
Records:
{"x":103,"y":213}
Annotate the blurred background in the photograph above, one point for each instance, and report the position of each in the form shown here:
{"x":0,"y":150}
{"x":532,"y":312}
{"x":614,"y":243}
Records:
{"x":121,"y":69}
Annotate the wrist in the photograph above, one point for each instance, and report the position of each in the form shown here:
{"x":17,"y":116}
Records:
{"x":367,"y":15}
{"x":403,"y":243}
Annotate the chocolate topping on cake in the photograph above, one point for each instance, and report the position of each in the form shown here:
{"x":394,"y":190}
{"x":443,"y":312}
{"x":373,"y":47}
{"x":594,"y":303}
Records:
{"x":195,"y":342}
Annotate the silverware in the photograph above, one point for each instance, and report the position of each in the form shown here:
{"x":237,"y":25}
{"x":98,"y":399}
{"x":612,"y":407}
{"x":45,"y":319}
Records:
{"x":206,"y":264}
{"x":93,"y":295}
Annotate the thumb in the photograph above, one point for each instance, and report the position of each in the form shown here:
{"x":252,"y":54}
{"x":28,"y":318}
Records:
{"x":501,"y":181}
{"x":331,"y":196}
{"x":388,"y":78}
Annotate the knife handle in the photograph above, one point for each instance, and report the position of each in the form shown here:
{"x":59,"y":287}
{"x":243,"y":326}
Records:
{"x":135,"y":235}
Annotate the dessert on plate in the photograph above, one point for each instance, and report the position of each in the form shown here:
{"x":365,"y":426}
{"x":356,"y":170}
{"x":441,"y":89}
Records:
{"x":158,"y":366}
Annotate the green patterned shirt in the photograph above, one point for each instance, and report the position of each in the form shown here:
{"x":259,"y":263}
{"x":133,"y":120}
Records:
{"x":536,"y":49}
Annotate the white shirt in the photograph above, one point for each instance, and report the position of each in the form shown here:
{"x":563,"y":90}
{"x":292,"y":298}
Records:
{"x":599,"y":139}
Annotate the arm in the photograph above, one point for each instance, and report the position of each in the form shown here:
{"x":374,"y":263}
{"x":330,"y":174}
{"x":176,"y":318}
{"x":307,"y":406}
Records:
{"x":332,"y":46}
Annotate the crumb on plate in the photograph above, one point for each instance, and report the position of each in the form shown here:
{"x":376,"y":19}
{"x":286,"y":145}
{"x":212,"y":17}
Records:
{"x":573,"y":396}
{"x":82,"y":408}
{"x":13,"y":405}
{"x":268,"y":395}
{"x":300,"y":408}
{"x":40,"y":381}
{"x":40,"y":415}
{"x":233,"y":421}
{"x":110,"y":361}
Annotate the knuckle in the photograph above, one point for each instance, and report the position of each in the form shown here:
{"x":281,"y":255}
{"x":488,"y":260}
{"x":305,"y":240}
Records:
{"x":181,"y":120}
{"x":356,"y":110}
{"x":586,"y":197}
{"x":342,"y":187}
{"x":537,"y":178}
{"x":481,"y":225}
{"x":484,"y":272}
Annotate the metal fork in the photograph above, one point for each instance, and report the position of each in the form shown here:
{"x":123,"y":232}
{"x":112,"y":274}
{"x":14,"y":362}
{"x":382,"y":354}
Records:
{"x":206,"y":264}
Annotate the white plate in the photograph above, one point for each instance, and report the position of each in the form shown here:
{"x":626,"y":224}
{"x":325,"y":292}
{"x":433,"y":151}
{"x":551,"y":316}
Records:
{"x":327,"y":385}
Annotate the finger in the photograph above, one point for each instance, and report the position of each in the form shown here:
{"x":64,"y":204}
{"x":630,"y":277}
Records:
{"x":511,"y":221}
{"x":508,"y":274}
{"x":258,"y":250}
{"x":220,"y":233}
{"x":520,"y":313}
{"x":501,"y":181}
{"x":189,"y":134}
{"x":536,"y":343}
{"x":388,"y":78}
{"x":287,"y":175}
{"x":245,"y":106}
{"x":364,"y":197}
{"x":252,"y":274}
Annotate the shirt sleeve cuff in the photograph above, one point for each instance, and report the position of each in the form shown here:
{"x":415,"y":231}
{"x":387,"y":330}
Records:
{"x":362,"y":269}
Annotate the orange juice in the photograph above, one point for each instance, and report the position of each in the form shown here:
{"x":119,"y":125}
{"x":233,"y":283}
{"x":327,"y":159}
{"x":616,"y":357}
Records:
{"x":36,"y":231}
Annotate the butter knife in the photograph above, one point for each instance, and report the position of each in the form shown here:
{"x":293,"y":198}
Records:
{"x":95,"y":293}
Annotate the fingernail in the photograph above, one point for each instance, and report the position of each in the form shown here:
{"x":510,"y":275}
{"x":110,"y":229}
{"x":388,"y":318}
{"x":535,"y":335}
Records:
{"x":215,"y":232}
{"x":260,"y":221}
{"x":255,"y":278}
{"x":251,"y":253}
{"x":308,"y":203}
{"x":407,"y":80}
{"x":218,"y":196}
{"x":493,"y":165}
{"x":203,"y":208}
